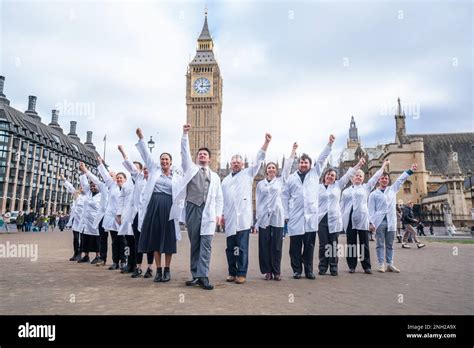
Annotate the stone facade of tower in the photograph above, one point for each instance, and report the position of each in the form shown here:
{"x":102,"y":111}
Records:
{"x":204,"y":99}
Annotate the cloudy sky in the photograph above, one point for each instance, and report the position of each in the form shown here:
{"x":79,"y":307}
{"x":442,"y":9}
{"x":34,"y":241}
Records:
{"x":298,"y":70}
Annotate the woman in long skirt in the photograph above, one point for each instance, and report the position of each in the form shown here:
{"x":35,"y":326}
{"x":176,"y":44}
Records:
{"x":158,"y":232}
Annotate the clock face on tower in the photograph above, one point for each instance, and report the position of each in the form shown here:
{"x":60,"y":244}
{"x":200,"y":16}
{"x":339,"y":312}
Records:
{"x":202,"y":85}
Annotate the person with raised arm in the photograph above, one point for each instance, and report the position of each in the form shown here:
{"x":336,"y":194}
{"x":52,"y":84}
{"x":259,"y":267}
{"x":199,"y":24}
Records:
{"x":159,"y":231}
{"x":200,"y":192}
{"x":132,"y":215}
{"x":271,"y":217}
{"x":77,"y":208}
{"x":300,"y":201}
{"x":383,"y":217}
{"x":355,"y":218}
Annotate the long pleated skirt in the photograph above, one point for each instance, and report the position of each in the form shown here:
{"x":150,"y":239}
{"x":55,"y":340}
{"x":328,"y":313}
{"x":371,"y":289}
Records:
{"x":158,"y":232}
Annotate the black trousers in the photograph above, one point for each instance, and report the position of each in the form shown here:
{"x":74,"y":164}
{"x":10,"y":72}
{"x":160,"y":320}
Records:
{"x":131,"y":254}
{"x":104,"y":241}
{"x":118,"y":247}
{"x":298,"y":259}
{"x":327,"y":247}
{"x":353,"y":248}
{"x":139,"y":255}
{"x":270,"y":242}
{"x":76,"y":242}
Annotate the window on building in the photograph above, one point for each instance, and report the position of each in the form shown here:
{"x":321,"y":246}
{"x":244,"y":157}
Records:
{"x":407,"y":187}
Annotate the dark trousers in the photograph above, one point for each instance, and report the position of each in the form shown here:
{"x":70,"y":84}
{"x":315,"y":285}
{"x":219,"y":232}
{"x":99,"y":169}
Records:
{"x":327,"y":247}
{"x":139,"y":256}
{"x":306,"y":242}
{"x":131,"y":254}
{"x":270,"y":242}
{"x":76,"y":242}
{"x":353,"y":248}
{"x":104,"y":242}
{"x":237,"y":252}
{"x":118,"y":247}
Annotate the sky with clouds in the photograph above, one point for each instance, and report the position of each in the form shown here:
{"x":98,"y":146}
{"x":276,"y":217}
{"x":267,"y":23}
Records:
{"x":297,"y":69}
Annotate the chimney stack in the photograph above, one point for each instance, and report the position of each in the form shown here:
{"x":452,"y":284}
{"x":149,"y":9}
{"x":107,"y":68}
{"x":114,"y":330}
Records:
{"x":31,"y":105}
{"x":3,"y":98}
{"x":54,"y":117}
{"x":72,"y":129}
{"x":89,"y":137}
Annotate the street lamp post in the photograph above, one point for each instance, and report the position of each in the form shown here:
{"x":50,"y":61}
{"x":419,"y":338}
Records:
{"x":151,"y":144}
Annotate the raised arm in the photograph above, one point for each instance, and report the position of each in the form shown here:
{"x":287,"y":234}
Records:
{"x":83,"y":178}
{"x":373,"y":180}
{"x":255,"y":167}
{"x":144,"y":151}
{"x":69,"y":187}
{"x":402,"y":178}
{"x":319,"y":165}
{"x":186,"y":160}
{"x":99,"y":184}
{"x":104,"y":173}
{"x":285,"y":173}
{"x":342,"y":182}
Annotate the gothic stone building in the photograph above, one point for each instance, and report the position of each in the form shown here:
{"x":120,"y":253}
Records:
{"x":444,"y":161}
{"x":33,"y":155}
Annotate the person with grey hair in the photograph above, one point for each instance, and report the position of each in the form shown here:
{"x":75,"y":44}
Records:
{"x":383,"y":217}
{"x":300,"y":201}
{"x":355,"y":218}
{"x":330,"y":220}
{"x":238,"y":215}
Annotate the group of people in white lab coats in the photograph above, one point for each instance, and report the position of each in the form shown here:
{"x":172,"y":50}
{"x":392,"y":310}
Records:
{"x":142,"y":211}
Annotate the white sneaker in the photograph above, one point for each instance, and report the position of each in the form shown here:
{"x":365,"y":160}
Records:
{"x":392,"y":268}
{"x":381,"y":269}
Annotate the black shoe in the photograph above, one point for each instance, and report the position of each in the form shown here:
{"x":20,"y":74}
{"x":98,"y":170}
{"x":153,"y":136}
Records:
{"x":96,"y":259}
{"x":296,"y":275}
{"x":334,"y":273}
{"x":78,"y":257}
{"x":166,"y":275}
{"x":159,"y":275}
{"x":368,"y":271}
{"x":399,"y":239}
{"x":148,"y":273}
{"x":84,"y":259}
{"x":310,"y":275}
{"x":113,"y":267}
{"x":352,"y":270}
{"x":122,"y":265}
{"x":137,"y":272}
{"x":204,"y":283}
{"x":193,"y":282}
{"x":73,"y":258}
{"x":101,"y":262}
{"x":322,"y":272}
{"x":127,"y":269}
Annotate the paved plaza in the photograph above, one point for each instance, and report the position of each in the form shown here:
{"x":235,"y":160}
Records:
{"x":435,"y":280}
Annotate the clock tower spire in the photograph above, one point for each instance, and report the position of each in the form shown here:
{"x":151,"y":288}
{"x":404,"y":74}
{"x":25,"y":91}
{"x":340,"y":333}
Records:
{"x":204,"y":98}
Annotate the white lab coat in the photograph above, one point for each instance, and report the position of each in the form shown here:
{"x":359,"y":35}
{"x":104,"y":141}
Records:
{"x":154,"y":172}
{"x":131,"y":207}
{"x":237,"y":192}
{"x":383,"y":204}
{"x":91,"y":208}
{"x":329,"y":201}
{"x":110,"y":223}
{"x":77,"y":207}
{"x":355,"y":197}
{"x":125,"y":204}
{"x":104,"y":194}
{"x":268,"y":199}
{"x":300,"y":200}
{"x":214,"y":201}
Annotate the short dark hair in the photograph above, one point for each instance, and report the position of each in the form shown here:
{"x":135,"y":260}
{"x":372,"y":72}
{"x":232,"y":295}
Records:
{"x":204,"y":149}
{"x":166,"y":153}
{"x":139,"y":164}
{"x":304,"y":157}
{"x":328,"y":170}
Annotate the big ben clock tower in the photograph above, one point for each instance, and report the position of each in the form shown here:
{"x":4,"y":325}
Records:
{"x":204,"y":99}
